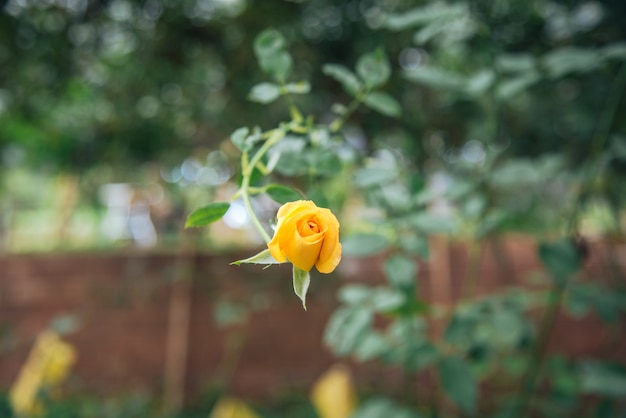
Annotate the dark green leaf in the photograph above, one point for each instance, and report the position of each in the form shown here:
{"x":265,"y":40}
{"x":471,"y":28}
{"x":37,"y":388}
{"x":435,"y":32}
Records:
{"x":373,"y":68}
{"x":282,"y":194}
{"x":560,"y":258}
{"x":383,"y":103}
{"x":459,"y":383}
{"x":207,"y":214}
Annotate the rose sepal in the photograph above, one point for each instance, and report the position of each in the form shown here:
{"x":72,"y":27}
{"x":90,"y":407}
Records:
{"x":264,"y":257}
{"x":301,"y":281}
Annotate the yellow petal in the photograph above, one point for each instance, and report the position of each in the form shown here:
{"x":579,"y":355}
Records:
{"x":303,"y":252}
{"x":330,"y":253}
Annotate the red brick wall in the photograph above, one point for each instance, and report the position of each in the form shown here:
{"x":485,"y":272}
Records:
{"x":122,"y":302}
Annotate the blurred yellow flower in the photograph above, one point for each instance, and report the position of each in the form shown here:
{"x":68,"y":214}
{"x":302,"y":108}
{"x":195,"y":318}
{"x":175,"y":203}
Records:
{"x":47,"y":365}
{"x":306,"y":236}
{"x":232,"y":408}
{"x":334,"y":395}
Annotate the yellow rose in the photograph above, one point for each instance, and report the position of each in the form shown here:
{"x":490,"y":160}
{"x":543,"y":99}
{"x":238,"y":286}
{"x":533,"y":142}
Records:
{"x":306,"y":236}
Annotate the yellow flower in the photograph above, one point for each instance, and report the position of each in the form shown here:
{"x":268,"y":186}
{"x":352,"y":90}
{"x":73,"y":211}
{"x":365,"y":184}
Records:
{"x":306,"y":236}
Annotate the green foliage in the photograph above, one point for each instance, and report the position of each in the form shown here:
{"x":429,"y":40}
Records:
{"x":207,"y":214}
{"x":457,"y":379}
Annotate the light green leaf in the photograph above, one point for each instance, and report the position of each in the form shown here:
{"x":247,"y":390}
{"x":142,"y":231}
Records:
{"x":401,"y":272}
{"x":269,"y":47}
{"x":264,"y":93}
{"x":269,"y":42}
{"x":264,"y":257}
{"x":415,"y":244}
{"x":427,"y":222}
{"x":374,"y":176}
{"x":603,"y":379}
{"x":511,"y":87}
{"x":373,"y":345}
{"x":364,"y":244}
{"x":301,"y":281}
{"x":459,"y":383}
{"x":282,"y":194}
{"x":562,"y":61}
{"x":355,"y":294}
{"x":434,"y":12}
{"x":373,"y":68}
{"x":207,"y":214}
{"x":515,"y":63}
{"x":346,"y":329}
{"x":239,"y":138}
{"x":383,"y":103}
{"x":436,"y":78}
{"x":616,"y":50}
{"x":347,"y":78}
{"x":302,"y":87}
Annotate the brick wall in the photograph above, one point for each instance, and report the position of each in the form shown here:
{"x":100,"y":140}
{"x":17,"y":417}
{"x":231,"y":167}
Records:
{"x":123,"y":304}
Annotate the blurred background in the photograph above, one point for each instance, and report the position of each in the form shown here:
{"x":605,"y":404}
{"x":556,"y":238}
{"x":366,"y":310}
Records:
{"x":115,"y":123}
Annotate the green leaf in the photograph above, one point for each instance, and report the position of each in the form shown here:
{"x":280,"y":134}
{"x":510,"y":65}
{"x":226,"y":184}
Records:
{"x":436,"y":78}
{"x":364,"y":244}
{"x":428,"y":222}
{"x":459,"y":383}
{"x":512,"y":87}
{"x":346,"y":329}
{"x":560,"y":258}
{"x":415,"y":244}
{"x":373,"y":68}
{"x":269,"y":42}
{"x":264,"y":93}
{"x":431,"y":13}
{"x":302,"y":87}
{"x":368,"y":177}
{"x":372,"y":346}
{"x":382,"y":407}
{"x":269,"y":47}
{"x":383,"y":103}
{"x":562,"y":61}
{"x":264,"y":257}
{"x":347,"y":78}
{"x":355,"y":294}
{"x":282,"y":194}
{"x":301,"y":281}
{"x":603,"y":379}
{"x":207,"y":214}
{"x":401,"y":272}
{"x":239,"y":138}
